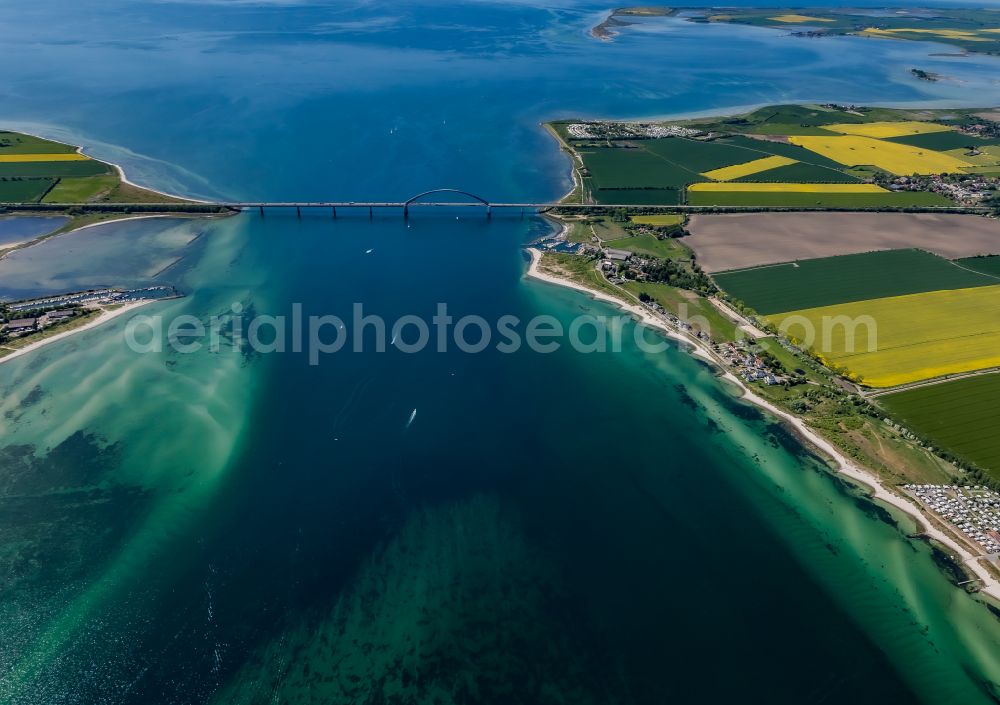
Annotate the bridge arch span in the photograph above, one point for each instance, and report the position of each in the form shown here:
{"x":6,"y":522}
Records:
{"x":413,"y":199}
{"x":473,"y":196}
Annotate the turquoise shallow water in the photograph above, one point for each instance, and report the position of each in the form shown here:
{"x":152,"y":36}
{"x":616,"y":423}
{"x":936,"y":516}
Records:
{"x":219,"y":527}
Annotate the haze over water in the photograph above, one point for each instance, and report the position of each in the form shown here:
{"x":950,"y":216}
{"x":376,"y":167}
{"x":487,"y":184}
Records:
{"x":603,"y":528}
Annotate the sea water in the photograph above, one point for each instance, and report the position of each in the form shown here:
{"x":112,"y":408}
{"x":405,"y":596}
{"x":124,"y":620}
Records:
{"x":226,"y":526}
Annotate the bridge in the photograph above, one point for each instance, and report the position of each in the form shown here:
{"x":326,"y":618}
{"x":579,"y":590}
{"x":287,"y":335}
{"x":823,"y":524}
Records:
{"x":475,"y":202}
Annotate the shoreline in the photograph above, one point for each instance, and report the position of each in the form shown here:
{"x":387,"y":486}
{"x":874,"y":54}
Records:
{"x":119,"y":169}
{"x":868,"y":482}
{"x":103,"y":318}
{"x":732,"y":111}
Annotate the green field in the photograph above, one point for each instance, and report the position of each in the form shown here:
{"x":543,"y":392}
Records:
{"x":651,"y":247}
{"x":792,"y":120}
{"x":836,"y":280}
{"x":801,"y":173}
{"x":80,"y":189}
{"x":960,"y":416}
{"x":697,"y":157}
{"x":818,"y":200}
{"x":638,"y":196}
{"x":659,"y":221}
{"x":89,"y":167}
{"x":24,"y":190}
{"x":782,"y":149}
{"x":16,"y":143}
{"x":688,"y":306}
{"x":621,"y":168}
{"x":987,"y":265}
{"x":658,"y":171}
{"x":942,"y":141}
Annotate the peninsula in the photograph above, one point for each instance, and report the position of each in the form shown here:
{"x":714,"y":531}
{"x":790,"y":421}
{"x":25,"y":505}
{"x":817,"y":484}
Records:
{"x":42,"y":176}
{"x":968,"y":30}
{"x":906,"y":405}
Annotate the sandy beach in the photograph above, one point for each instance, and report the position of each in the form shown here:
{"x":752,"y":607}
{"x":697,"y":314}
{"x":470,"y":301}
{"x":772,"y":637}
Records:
{"x":103,"y":318}
{"x":842,"y":465}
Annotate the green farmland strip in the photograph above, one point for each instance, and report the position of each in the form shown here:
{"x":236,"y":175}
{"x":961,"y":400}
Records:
{"x":987,"y":265}
{"x":16,"y":143}
{"x":836,"y":280}
{"x":782,"y":149}
{"x":639,"y":196}
{"x":634,"y":168}
{"x":960,"y":416}
{"x":696,"y":156}
{"x":90,"y":167}
{"x":941,"y":141}
{"x":23,"y":190}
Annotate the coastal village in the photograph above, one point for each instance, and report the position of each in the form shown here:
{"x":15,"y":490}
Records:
{"x":28,"y":319}
{"x":618,"y":266}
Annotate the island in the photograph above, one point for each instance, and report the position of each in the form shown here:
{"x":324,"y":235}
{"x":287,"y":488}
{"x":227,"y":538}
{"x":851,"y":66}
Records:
{"x":838,"y":263}
{"x":969,"y":30}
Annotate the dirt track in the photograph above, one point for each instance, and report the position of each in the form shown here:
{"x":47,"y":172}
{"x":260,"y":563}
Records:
{"x":738,"y":240}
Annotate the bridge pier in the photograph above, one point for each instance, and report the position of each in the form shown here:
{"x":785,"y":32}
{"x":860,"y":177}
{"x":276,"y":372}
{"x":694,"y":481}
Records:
{"x":371,"y":213}
{"x":261,"y":211}
{"x":335,"y":212}
{"x":406,"y":211}
{"x":298,"y":211}
{"x":489,"y":212}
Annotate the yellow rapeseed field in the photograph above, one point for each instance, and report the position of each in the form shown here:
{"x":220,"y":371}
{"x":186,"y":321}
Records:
{"x":660,"y":220}
{"x":900,"y":159}
{"x":799,"y":18}
{"x":888,"y":129}
{"x":787,"y":188}
{"x":915,"y":337}
{"x":756,"y":166}
{"x":71,"y":157}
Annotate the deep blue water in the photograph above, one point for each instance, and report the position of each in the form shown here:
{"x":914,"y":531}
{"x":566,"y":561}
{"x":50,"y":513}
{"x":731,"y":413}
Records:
{"x":547,"y":528}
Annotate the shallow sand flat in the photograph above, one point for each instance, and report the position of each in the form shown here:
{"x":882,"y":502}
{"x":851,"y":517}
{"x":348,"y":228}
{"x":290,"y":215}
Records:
{"x":738,"y":240}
